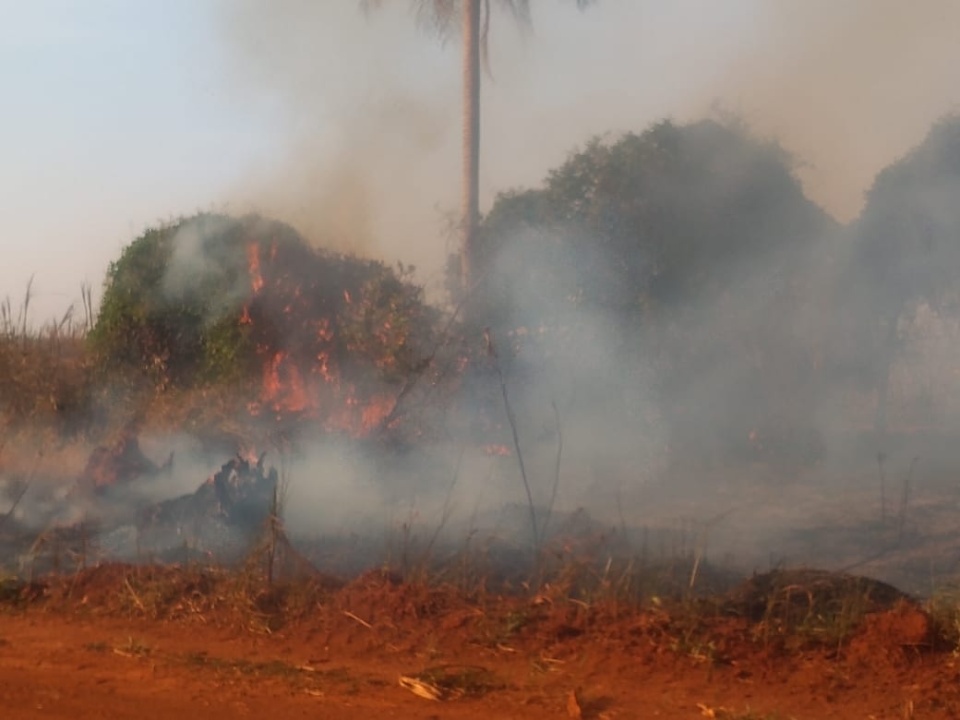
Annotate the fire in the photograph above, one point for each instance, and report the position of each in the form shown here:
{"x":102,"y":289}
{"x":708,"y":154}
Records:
{"x":350,"y":415}
{"x":320,"y":395}
{"x":378,"y":410}
{"x":253,"y":262}
{"x":496,"y":450}
{"x":324,"y":331}
{"x":283,"y":386}
{"x":305,"y":379}
{"x":322,"y":368}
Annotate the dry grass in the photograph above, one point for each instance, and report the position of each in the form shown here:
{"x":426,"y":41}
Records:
{"x":944,"y":610}
{"x":46,"y":371}
{"x":204,"y":595}
{"x":450,"y":682}
{"x":50,"y":384}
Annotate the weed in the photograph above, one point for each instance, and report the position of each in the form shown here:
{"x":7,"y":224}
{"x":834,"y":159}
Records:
{"x":696,"y":647}
{"x":303,"y":676}
{"x":722,"y":713}
{"x":270,"y":668}
{"x":132,"y":648}
{"x":944,"y":611}
{"x":46,"y":373}
{"x":514,"y":622}
{"x":16,"y":593}
{"x":808,"y":607}
{"x":448,"y":682}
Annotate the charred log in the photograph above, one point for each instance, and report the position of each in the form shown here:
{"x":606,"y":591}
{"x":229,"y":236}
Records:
{"x":223,"y":516}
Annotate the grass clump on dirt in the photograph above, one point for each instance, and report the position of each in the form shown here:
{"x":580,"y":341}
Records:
{"x":944,"y":610}
{"x":805,"y":607}
{"x":451,"y":682}
{"x":17,"y":593}
{"x":213,"y":596}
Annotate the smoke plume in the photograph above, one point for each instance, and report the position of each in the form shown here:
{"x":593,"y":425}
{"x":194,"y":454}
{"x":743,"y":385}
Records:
{"x":367,"y":106}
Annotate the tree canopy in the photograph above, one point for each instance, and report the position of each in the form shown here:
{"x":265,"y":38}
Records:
{"x":687,"y":245}
{"x":908,"y":236}
{"x":673,"y":215}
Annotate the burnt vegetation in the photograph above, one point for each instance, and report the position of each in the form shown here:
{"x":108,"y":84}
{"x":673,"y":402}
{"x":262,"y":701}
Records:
{"x":663,"y":301}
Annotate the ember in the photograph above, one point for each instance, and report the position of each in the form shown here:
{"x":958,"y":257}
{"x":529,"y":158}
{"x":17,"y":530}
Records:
{"x":496,"y":450}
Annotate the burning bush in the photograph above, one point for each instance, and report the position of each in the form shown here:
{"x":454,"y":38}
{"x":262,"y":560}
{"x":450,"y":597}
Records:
{"x":214,"y":299}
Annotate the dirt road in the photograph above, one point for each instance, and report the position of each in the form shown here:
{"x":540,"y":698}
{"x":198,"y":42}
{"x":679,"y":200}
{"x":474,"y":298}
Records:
{"x":53,"y":666}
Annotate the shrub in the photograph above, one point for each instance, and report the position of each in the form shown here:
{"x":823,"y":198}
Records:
{"x":213,"y":299}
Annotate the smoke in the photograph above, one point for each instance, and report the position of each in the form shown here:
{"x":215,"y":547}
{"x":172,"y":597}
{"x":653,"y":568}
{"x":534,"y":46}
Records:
{"x":366,"y":159}
{"x":365,"y":125}
{"x":847,"y":87}
{"x":196,"y":264}
{"x":367,"y":106}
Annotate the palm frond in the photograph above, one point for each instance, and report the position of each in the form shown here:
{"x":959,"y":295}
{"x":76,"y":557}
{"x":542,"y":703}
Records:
{"x":442,"y":17}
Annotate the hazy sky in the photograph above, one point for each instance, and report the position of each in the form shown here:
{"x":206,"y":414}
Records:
{"x":118,"y":113}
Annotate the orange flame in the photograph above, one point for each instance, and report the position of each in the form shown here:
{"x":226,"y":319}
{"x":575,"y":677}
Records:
{"x":283,"y":386}
{"x":311,"y":389}
{"x":320,"y":395}
{"x":376,"y":412}
{"x":322,"y":368}
{"x":253,"y":262}
{"x":324,"y":331}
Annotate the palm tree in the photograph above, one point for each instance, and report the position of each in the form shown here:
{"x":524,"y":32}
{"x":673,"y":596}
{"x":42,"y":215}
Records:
{"x":440,"y":17}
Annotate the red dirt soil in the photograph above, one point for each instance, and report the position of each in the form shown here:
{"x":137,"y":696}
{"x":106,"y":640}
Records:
{"x":92,"y":656}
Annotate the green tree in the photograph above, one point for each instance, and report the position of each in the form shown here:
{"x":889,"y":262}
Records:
{"x":906,"y":248}
{"x":687,"y":246}
{"x":675,"y":215}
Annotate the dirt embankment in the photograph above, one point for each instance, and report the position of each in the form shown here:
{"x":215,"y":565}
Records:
{"x":108,"y":643}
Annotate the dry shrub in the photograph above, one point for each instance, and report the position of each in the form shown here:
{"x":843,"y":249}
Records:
{"x":802,"y":607}
{"x":383,"y":595}
{"x":46,"y":379}
{"x":194,"y":594}
{"x":45,"y":372}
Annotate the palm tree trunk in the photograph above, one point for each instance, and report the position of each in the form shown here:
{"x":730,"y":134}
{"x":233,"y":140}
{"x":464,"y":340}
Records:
{"x":471,"y":141}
